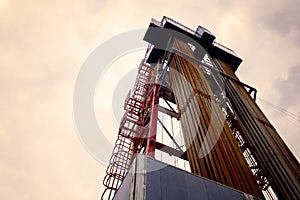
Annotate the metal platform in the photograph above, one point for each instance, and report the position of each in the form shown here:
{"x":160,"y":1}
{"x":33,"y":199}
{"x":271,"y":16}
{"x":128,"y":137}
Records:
{"x":150,"y":179}
{"x":158,"y":34}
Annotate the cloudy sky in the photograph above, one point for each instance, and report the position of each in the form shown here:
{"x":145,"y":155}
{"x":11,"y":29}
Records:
{"x":44,"y":43}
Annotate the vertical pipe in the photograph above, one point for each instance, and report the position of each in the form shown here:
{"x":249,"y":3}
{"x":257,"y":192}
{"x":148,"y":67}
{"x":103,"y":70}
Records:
{"x":204,"y":129}
{"x":275,"y":158}
{"x":151,"y":139}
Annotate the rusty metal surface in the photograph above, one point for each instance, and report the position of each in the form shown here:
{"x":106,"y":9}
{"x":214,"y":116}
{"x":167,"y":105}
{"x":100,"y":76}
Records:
{"x":274,"y":157}
{"x":225,"y":162}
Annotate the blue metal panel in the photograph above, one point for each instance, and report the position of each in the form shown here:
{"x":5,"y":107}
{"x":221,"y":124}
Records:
{"x":165,"y":182}
{"x":124,"y":190}
{"x":169,"y":183}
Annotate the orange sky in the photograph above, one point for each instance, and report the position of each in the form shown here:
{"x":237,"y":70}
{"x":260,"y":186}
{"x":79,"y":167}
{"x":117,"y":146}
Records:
{"x":44,"y":43}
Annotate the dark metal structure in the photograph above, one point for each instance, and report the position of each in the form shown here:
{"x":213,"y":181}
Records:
{"x":227,"y":137}
{"x":158,"y":180}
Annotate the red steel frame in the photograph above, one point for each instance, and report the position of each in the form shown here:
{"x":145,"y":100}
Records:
{"x":151,"y":140}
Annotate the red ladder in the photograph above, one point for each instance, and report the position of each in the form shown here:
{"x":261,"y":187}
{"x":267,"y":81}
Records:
{"x":131,"y":127}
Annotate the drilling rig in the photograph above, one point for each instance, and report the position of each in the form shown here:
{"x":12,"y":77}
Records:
{"x":230,"y":147}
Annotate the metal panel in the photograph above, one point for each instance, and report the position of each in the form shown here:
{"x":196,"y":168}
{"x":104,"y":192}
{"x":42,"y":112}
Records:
{"x":124,"y":190}
{"x":166,"y":182}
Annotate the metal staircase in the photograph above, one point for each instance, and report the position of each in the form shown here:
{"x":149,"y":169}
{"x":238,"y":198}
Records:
{"x":132,"y":128}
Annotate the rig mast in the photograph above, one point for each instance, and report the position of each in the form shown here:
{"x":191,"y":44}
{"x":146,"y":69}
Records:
{"x":227,"y":138}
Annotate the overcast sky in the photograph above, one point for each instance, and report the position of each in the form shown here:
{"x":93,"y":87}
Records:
{"x":44,"y":43}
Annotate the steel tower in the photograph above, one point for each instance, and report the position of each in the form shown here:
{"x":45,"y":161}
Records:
{"x":227,"y":138}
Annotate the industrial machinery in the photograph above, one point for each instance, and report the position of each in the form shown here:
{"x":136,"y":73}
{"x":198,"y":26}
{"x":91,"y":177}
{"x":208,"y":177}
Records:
{"x":226,"y":137}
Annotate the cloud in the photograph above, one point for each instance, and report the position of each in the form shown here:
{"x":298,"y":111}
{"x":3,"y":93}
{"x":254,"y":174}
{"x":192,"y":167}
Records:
{"x":43,"y":45}
{"x":284,"y":18}
{"x":288,"y":88}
